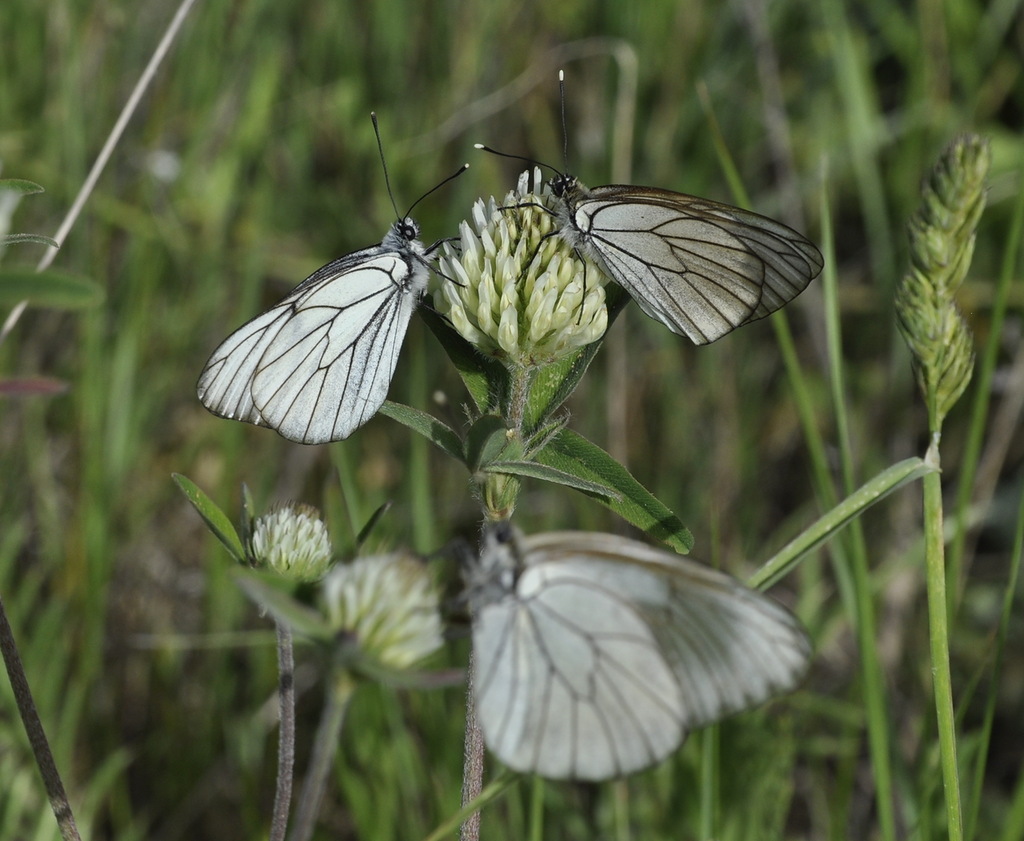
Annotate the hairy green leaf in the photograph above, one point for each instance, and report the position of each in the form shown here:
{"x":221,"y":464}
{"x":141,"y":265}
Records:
{"x":573,"y":454}
{"x":216,"y":519}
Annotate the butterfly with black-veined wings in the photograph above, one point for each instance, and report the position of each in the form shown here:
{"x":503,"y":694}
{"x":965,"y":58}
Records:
{"x":595,"y":655}
{"x":699,"y":267}
{"x":318,"y":365}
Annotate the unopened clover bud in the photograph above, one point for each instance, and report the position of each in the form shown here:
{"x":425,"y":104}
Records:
{"x":292,"y":541}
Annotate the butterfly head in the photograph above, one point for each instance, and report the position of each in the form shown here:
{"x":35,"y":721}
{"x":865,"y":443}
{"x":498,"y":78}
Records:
{"x":407,"y":229}
{"x":564,"y":185}
{"x":403,"y":237}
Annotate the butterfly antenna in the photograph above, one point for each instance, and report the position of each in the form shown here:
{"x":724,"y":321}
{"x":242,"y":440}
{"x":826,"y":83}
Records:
{"x":383,"y":163}
{"x":530,"y":161}
{"x":565,"y":131}
{"x":451,"y":177}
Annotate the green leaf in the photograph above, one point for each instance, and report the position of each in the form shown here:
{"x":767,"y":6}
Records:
{"x":827,"y":525}
{"x":427,"y":425}
{"x":48,"y":289}
{"x":285,"y":609}
{"x":573,"y":454}
{"x":485,"y":441}
{"x":375,"y":517}
{"x":216,"y":519}
{"x":20,"y":185}
{"x":553,"y":384}
{"x":485,"y":378}
{"x":248,"y":517}
{"x":37,"y":238}
{"x":550,"y":474}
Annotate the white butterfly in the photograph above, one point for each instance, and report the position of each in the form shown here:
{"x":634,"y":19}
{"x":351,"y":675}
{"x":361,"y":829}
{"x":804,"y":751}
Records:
{"x":317,"y":365}
{"x":699,"y":267}
{"x":595,"y":654}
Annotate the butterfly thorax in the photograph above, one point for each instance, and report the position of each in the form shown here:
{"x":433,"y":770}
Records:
{"x":493,"y":575}
{"x":571,"y":192}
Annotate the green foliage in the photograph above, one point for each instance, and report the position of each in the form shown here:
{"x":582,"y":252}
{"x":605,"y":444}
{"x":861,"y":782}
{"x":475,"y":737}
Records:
{"x":219,"y":523}
{"x":48,"y":289}
{"x":253,"y":162}
{"x":20,"y":185}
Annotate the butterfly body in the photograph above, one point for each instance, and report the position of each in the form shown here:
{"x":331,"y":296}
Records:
{"x":699,"y":267}
{"x":595,"y":655}
{"x":316,"y":366}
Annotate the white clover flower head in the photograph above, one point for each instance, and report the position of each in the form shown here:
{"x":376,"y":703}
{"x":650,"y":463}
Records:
{"x":515,"y":289}
{"x":389,"y":604}
{"x":292,"y":540}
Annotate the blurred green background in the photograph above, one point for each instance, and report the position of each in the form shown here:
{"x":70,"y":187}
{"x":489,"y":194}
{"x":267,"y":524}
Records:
{"x":252,"y":161}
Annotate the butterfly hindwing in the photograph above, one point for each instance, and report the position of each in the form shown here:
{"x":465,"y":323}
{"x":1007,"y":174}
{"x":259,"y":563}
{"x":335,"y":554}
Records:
{"x":224,"y":386}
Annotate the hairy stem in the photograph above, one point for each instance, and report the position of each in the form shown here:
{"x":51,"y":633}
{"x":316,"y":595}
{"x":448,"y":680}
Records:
{"x":473,"y":760}
{"x":286,"y":733}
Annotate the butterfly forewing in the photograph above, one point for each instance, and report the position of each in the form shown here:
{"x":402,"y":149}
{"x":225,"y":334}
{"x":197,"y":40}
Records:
{"x":318,"y":365}
{"x":603,"y":653}
{"x":699,"y":267}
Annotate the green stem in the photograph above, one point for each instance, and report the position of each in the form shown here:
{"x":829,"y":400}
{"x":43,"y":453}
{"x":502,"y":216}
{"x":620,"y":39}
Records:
{"x":879,"y":739}
{"x":519,"y":393}
{"x":325,"y":746}
{"x":874,"y":683}
{"x":939,"y":635}
{"x":536,"y":832}
{"x":709,"y":783}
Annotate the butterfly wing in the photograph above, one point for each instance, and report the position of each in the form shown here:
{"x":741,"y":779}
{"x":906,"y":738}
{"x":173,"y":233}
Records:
{"x":317,"y":365}
{"x":225,"y":385}
{"x":730,"y":647}
{"x":571,"y":683}
{"x":608,"y":652}
{"x":699,"y":267}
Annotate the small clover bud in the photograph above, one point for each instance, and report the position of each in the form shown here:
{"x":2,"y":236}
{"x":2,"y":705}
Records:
{"x":293,"y":542}
{"x":514,"y":288}
{"x":388,"y":604}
